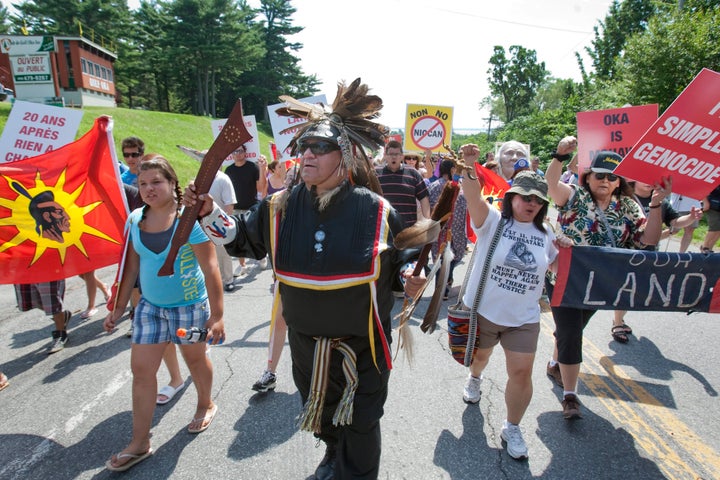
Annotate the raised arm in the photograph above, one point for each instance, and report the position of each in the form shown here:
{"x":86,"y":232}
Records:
{"x":559,"y":191}
{"x":476,"y":205}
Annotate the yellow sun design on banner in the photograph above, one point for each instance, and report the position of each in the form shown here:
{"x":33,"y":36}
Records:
{"x":26,"y":224}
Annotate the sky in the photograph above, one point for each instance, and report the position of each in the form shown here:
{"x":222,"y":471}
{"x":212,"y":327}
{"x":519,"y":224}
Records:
{"x":435,"y":52}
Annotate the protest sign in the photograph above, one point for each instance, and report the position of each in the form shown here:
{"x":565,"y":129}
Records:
{"x":684,"y":142}
{"x":615,"y":130}
{"x":428,"y":127}
{"x":285,"y":128}
{"x":33,"y":129}
{"x":604,"y":278}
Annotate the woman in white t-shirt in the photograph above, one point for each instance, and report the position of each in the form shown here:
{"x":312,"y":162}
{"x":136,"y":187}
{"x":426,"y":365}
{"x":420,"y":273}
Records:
{"x":509,"y":310}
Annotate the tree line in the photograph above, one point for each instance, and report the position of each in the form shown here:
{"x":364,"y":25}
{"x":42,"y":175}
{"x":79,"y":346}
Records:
{"x":183,"y":56}
{"x":643,"y":52}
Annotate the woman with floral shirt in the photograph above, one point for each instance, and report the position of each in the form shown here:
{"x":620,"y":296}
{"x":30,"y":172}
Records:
{"x":599,"y":212}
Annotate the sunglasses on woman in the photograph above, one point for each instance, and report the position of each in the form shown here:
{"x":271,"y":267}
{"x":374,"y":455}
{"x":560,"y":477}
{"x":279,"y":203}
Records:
{"x":318,"y":148}
{"x":602,"y":176}
{"x":532,"y":198}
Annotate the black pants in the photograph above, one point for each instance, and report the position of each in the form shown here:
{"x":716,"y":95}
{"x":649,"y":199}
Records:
{"x":569,"y":326}
{"x":359,"y":444}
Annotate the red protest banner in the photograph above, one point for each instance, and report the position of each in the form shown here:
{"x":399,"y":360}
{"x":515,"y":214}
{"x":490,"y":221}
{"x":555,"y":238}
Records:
{"x":616,"y":130}
{"x":61,"y":213}
{"x":684,"y":142}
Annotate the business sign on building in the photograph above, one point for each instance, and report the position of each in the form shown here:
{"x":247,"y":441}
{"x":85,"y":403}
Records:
{"x":30,"y":64}
{"x":31,"y":68}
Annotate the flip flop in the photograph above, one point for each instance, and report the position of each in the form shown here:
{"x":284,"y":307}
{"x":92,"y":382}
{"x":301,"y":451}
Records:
{"x":169,"y":393}
{"x":135,"y":458}
{"x":3,"y":381}
{"x":88,"y":313}
{"x":207,"y":418}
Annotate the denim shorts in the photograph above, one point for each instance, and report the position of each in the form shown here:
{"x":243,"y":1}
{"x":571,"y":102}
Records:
{"x":153,"y":324}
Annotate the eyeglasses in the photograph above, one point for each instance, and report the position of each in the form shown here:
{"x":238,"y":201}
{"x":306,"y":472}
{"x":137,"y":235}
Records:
{"x":131,"y":154}
{"x":532,"y":198}
{"x":411,"y":158}
{"x":318,"y":148}
{"x":602,"y":176}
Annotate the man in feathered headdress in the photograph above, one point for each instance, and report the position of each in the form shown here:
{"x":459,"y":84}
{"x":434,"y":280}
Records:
{"x":330,"y":240}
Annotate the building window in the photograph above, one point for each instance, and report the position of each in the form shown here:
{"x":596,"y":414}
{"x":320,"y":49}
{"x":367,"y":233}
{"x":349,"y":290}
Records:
{"x":83,"y":64}
{"x":97,"y":70}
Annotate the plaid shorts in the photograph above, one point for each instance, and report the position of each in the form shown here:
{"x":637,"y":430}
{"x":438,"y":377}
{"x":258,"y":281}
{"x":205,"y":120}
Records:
{"x":153,"y":324}
{"x":47,"y":296}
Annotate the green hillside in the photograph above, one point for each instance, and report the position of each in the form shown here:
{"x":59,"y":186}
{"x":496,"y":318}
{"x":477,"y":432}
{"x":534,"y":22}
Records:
{"x":160,"y":131}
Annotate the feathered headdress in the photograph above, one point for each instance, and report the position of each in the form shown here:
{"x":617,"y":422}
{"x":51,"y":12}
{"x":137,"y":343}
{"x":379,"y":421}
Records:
{"x":348,"y":124}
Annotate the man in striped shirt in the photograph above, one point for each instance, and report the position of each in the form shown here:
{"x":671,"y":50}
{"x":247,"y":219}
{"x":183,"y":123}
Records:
{"x":403,"y":187}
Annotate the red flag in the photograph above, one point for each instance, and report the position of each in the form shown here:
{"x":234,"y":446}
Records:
{"x":493,"y":189}
{"x":62,"y":213}
{"x":493,"y":185}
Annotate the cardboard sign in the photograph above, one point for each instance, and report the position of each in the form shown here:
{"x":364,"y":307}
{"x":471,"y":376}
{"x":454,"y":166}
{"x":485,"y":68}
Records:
{"x":33,"y":129}
{"x":616,"y":130}
{"x":282,"y":127}
{"x":428,"y":127}
{"x":604,"y":278}
{"x":684,"y":142}
{"x":252,"y":148}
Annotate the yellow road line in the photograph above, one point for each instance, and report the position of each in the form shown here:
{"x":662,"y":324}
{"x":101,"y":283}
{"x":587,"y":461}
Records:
{"x":655,"y":429}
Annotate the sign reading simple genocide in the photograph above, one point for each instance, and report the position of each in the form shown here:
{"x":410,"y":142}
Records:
{"x":33,"y":129}
{"x":616,"y":130}
{"x":684,"y":142}
{"x":252,"y":148}
{"x":428,"y":127}
{"x":285,"y":128}
{"x":604,"y":278}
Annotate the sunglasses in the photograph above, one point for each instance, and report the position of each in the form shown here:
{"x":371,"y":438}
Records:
{"x":532,"y":198}
{"x":318,"y":148}
{"x":602,"y":176}
{"x":411,"y":158}
{"x":131,"y":154}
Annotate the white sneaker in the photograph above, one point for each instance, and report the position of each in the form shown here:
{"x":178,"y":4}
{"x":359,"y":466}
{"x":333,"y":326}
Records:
{"x":263,"y":263}
{"x":471,"y":392}
{"x":512,"y":436}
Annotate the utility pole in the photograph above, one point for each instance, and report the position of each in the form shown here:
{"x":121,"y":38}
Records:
{"x":489,"y":119}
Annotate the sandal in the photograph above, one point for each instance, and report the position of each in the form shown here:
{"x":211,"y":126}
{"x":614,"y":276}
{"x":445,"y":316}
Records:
{"x":203,"y":423}
{"x":4,"y":382}
{"x":133,"y":459}
{"x":619,"y":334}
{"x":626,"y":328}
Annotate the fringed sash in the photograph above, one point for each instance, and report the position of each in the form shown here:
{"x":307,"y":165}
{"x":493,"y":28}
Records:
{"x":311,"y":416}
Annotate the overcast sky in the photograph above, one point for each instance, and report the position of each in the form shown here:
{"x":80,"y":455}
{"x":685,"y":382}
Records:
{"x":435,"y":52}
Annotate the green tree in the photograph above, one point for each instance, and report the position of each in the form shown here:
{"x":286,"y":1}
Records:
{"x":623,"y":20}
{"x":278,"y":72}
{"x":4,"y":20}
{"x":212,"y":37}
{"x":662,"y":61}
{"x":514,"y":81}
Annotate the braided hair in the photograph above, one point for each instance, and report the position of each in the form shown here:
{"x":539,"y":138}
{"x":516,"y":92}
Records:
{"x":158,"y":162}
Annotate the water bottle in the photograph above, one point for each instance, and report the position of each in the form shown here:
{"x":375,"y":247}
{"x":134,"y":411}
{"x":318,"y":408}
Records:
{"x":194,"y":334}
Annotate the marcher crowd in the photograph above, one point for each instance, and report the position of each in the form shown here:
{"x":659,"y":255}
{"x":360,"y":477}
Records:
{"x":326,"y":226}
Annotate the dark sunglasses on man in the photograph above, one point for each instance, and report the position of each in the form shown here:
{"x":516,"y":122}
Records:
{"x":320,"y":147}
{"x":131,"y":154}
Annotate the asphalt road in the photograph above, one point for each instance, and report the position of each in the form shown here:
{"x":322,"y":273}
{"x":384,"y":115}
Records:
{"x":650,"y":406}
